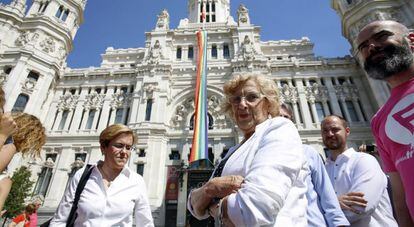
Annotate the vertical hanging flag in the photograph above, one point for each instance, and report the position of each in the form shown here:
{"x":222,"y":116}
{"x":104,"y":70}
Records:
{"x":199,"y":148}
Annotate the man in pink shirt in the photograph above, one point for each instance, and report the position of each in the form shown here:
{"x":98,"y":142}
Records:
{"x":385,"y":50}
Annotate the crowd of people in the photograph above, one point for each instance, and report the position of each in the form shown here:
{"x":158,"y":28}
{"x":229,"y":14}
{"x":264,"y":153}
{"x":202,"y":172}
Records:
{"x":270,"y":178}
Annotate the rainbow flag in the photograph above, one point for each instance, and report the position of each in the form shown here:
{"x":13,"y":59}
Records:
{"x":199,"y":148}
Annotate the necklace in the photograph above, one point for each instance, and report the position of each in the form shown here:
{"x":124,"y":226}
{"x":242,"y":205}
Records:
{"x":106,"y":176}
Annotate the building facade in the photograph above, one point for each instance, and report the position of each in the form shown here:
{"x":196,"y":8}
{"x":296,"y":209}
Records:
{"x":151,"y":89}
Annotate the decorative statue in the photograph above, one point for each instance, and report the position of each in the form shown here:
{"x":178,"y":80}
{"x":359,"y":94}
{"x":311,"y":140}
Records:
{"x":155,"y":54}
{"x":247,"y":50}
{"x":163,"y":22}
{"x":243,"y":15}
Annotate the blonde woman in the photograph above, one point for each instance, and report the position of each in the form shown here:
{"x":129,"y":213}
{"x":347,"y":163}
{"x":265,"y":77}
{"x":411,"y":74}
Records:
{"x":260,"y":181}
{"x":28,"y":139}
{"x":113,"y":192}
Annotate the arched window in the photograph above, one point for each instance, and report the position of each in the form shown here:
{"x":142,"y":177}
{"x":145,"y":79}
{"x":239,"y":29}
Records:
{"x":148,"y":110}
{"x":190,"y":52}
{"x":45,"y":175}
{"x":64,"y":119}
{"x":226,"y":51}
{"x":210,"y":121}
{"x":21,"y":103}
{"x":59,"y":12}
{"x":214,"y":51}
{"x":179,"y":53}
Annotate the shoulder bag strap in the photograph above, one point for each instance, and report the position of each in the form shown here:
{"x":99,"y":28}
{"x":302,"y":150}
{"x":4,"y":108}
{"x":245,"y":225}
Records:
{"x":81,"y":185}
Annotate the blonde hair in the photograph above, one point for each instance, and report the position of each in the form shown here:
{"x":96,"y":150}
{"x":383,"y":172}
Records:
{"x":266,"y":86}
{"x":30,"y":134}
{"x":112,"y":131}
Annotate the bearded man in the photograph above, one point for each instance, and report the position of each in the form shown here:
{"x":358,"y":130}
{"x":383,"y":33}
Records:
{"x":385,"y":50}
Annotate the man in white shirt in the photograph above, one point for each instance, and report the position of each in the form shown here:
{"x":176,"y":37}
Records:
{"x":357,"y":178}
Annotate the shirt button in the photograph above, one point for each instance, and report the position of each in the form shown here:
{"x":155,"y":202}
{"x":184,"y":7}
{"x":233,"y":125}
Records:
{"x":335,"y":178}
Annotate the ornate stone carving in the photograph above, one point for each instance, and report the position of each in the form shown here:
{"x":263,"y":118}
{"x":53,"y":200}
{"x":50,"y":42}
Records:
{"x":48,"y":45}
{"x":94,"y":100}
{"x":149,"y":89}
{"x":155,"y":54}
{"x":247,"y":51}
{"x":288,"y":94}
{"x":186,"y":108}
{"x":243,"y":15}
{"x":316,"y":92}
{"x":119,"y":99}
{"x":346,"y":91}
{"x":68,"y":102}
{"x":28,"y":85}
{"x":163,"y":21}
{"x":23,"y":39}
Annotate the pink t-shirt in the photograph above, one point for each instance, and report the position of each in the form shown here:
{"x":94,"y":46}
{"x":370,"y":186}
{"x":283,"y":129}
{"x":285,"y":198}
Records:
{"x":393,"y":128}
{"x":33,"y":219}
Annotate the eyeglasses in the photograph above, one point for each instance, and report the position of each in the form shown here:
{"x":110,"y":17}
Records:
{"x":285,"y":116}
{"x":249,"y":97}
{"x":121,"y":146}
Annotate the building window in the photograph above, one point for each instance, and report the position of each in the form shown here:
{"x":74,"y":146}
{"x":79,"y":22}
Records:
{"x":148,"y":110}
{"x":33,"y":76}
{"x":210,"y":121}
{"x":65,"y":15}
{"x":43,"y":6}
{"x":320,"y":111}
{"x":351,"y":110}
{"x":190,"y":52}
{"x":63,"y":121}
{"x":140,"y":169}
{"x":7,"y":70}
{"x":141,"y":153}
{"x":20,"y":104}
{"x":118,"y":115}
{"x":175,"y":155}
{"x":59,"y":12}
{"x":226,"y":51}
{"x":91,"y":116}
{"x":179,"y":53}
{"x":45,"y":175}
{"x":213,"y":18}
{"x":214,"y":51}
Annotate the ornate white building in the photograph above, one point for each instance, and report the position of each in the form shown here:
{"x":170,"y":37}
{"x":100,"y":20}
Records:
{"x":151,"y":89}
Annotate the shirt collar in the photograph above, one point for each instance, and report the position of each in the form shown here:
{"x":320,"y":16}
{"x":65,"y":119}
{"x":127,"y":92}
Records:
{"x":346,"y":155}
{"x":125,"y":171}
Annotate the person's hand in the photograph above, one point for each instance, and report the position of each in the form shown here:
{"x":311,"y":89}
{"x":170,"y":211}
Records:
{"x":7,"y":125}
{"x":348,"y":200}
{"x":220,"y":187}
{"x":2,"y":213}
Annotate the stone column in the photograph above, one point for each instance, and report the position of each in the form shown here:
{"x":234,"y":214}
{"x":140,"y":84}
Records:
{"x":68,"y":120}
{"x":77,"y":117}
{"x":58,"y":119}
{"x":345,"y":109}
{"x":358,"y":109}
{"x":85,"y":119}
{"x":106,"y":108}
{"x":12,"y":87}
{"x":332,"y":97}
{"x":53,"y":110}
{"x":303,"y":104}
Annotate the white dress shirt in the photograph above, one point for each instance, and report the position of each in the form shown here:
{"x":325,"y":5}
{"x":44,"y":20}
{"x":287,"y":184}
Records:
{"x":273,"y":165}
{"x":111,"y":207}
{"x":359,"y":172}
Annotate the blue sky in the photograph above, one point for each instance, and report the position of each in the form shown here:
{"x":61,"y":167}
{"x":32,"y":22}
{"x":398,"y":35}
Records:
{"x":123,"y":23}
